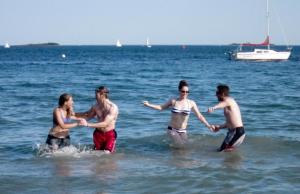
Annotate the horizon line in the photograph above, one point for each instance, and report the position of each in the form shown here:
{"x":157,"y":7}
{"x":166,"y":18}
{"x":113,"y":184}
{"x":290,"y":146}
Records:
{"x":124,"y":45}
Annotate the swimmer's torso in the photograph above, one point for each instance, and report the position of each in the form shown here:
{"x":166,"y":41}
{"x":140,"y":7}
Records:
{"x":57,"y":130}
{"x":181,"y":110}
{"x":110,"y":109}
{"x":233,"y":115}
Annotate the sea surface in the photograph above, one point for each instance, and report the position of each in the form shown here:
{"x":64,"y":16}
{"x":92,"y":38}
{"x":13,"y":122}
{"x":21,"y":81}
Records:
{"x":33,"y":78}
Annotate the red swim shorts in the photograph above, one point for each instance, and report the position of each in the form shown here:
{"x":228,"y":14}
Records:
{"x":105,"y":140}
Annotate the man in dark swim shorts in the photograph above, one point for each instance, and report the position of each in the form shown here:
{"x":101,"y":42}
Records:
{"x":234,"y":123}
{"x":233,"y":138}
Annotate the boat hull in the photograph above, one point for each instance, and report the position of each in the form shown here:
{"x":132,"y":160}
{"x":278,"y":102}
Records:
{"x":261,"y":55}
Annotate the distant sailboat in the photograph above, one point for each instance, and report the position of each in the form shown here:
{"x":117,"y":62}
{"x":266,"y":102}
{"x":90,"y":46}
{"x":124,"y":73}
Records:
{"x":118,"y":44}
{"x":261,"y":54}
{"x":6,"y":45}
{"x":148,"y":43}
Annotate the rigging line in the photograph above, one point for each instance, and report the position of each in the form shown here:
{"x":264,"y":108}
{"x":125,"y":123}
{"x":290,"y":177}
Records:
{"x":282,"y":29}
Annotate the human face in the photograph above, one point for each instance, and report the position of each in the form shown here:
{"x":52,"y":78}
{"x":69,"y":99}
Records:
{"x":69,"y":103}
{"x":220,"y":96}
{"x":184,"y":91}
{"x":100,"y":95}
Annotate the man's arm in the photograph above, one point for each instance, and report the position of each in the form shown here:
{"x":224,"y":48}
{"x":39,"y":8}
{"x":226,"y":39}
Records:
{"x":112,"y":115}
{"x":87,"y":115}
{"x":222,"y":104}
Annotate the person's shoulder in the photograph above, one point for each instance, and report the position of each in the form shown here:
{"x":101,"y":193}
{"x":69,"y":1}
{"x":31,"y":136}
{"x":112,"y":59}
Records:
{"x":94,"y":106}
{"x":56,"y":109}
{"x":113,"y":105}
{"x":230,"y":99}
{"x":114,"y":108}
{"x":191,"y":101}
{"x":171,"y":101}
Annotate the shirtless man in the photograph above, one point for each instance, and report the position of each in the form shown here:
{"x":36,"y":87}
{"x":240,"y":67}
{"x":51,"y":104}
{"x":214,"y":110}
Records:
{"x":232,"y":113}
{"x":106,"y":112}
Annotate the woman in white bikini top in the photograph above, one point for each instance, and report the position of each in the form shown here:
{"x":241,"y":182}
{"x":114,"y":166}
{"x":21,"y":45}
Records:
{"x":181,"y":109}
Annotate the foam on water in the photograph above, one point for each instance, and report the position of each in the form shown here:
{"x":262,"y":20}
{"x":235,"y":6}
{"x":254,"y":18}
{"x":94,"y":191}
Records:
{"x":75,"y":151}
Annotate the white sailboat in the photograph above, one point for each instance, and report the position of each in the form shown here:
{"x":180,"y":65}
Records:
{"x":261,"y":54}
{"x":148,"y":43}
{"x":118,"y":44}
{"x":6,"y":45}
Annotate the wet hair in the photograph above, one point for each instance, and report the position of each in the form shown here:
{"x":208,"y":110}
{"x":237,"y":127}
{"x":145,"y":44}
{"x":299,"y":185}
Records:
{"x":182,"y":83}
{"x":103,"y":90}
{"x":223,"y":89}
{"x":64,"y":98}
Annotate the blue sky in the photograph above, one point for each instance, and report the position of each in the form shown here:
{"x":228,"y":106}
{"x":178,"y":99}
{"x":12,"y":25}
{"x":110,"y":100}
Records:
{"x":102,"y":22}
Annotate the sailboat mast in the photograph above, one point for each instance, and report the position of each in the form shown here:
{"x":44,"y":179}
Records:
{"x":268,"y":24}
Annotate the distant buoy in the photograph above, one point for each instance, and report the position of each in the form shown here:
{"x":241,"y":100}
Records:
{"x":63,"y":56}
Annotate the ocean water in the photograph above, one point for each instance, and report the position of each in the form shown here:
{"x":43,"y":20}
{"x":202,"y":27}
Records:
{"x":32,"y":78}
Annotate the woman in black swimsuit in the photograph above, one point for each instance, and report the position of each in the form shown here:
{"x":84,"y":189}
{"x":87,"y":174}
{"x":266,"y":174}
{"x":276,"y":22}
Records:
{"x":63,"y":120}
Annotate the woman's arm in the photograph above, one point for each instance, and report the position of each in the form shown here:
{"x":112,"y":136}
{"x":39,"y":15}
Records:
{"x":199,"y":115}
{"x":158,"y":107}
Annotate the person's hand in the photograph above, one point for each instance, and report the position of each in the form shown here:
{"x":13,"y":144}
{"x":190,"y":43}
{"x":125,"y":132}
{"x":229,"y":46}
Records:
{"x":212,"y":128}
{"x":146,"y":103}
{"x":210,"y":109}
{"x":82,"y":122}
{"x":216,"y":128}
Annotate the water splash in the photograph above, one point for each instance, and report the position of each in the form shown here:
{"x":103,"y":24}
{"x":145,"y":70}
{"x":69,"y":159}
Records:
{"x":74,"y":151}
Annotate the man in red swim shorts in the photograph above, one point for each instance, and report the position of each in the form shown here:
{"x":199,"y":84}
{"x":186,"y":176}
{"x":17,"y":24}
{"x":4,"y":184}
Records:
{"x":106,"y":112}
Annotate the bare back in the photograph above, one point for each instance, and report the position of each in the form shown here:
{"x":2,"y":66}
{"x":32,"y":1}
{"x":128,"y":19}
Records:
{"x":232,"y":114}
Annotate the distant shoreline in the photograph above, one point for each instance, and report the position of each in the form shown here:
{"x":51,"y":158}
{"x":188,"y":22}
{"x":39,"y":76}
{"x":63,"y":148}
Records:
{"x":38,"y":44}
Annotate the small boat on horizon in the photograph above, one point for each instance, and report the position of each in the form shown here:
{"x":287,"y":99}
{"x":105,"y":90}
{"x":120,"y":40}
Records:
{"x":6,"y":45}
{"x":118,"y":44}
{"x":148,"y":43}
{"x":260,"y":54}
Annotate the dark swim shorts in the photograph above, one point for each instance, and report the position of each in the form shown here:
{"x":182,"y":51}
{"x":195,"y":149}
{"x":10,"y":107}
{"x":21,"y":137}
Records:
{"x":233,"y":138}
{"x":53,"y":141}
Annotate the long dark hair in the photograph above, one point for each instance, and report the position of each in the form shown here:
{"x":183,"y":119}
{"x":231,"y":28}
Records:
{"x":62,"y":99}
{"x":182,"y":83}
